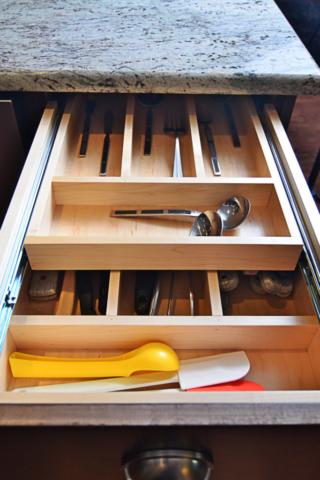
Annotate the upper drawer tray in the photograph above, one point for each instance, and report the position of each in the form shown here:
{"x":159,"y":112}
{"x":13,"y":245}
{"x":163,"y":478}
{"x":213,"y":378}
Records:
{"x":71,"y":227}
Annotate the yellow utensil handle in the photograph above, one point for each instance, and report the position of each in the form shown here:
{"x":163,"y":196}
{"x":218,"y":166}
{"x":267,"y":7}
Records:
{"x":150,"y":357}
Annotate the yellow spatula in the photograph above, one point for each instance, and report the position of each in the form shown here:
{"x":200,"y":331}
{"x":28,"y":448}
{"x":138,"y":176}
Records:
{"x":149,"y":357}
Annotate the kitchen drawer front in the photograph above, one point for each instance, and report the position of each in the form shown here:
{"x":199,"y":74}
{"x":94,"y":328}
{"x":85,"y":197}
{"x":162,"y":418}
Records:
{"x":71,"y":227}
{"x":246,"y":453}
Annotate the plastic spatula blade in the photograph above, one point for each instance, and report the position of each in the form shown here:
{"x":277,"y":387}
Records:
{"x":213,"y":370}
{"x":237,"y":386}
{"x":197,"y":372}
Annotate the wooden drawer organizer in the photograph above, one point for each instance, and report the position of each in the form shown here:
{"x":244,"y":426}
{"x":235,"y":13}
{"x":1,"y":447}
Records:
{"x":282,"y":345}
{"x":71,"y":227}
{"x":280,"y":336}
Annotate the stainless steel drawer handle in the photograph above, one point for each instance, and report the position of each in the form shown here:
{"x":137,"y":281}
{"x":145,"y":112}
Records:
{"x":168,"y":463}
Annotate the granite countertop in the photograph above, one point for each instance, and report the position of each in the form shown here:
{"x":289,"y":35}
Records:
{"x":202,"y":46}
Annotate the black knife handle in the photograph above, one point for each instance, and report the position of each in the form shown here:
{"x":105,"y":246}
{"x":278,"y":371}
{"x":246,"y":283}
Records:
{"x":103,"y":291}
{"x":85,"y":137}
{"x":143,"y":291}
{"x":233,"y":128}
{"x":85,"y":292}
{"x":105,"y":152}
{"x":148,"y":136}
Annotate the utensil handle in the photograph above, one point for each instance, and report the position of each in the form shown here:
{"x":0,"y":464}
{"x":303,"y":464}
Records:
{"x":148,"y":136}
{"x":103,"y":291}
{"x":144,"y":286}
{"x":177,"y":165}
{"x":186,"y":214}
{"x":109,"y":385}
{"x":233,"y":128}
{"x":85,"y":137}
{"x":212,"y":150}
{"x":105,"y":152}
{"x":85,"y":291}
{"x":155,"y":296}
{"x":191,"y":292}
{"x":170,"y":300}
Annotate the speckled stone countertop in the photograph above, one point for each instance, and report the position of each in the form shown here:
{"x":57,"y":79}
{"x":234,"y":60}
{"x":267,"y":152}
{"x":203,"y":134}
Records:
{"x":201,"y":46}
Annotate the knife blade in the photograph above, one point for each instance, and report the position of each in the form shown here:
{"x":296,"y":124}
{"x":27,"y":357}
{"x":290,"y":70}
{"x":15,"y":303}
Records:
{"x":212,"y":150}
{"x":108,"y":121}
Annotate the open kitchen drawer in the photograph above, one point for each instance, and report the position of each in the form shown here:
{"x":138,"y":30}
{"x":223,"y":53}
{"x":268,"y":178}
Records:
{"x":71,"y":227}
{"x":279,"y":335}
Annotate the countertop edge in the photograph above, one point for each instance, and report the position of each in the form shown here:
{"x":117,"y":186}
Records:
{"x":144,"y":82}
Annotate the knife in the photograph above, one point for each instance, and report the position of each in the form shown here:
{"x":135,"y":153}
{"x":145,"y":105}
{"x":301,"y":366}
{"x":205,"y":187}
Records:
{"x":108,"y":121}
{"x":85,"y":134}
{"x":212,"y":150}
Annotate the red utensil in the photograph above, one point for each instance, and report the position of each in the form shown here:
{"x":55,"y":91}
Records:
{"x":237,"y":386}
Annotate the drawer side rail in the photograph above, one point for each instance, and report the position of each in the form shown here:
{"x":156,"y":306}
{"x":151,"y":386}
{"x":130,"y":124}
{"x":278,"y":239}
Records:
{"x":15,"y":226}
{"x":309,"y":262}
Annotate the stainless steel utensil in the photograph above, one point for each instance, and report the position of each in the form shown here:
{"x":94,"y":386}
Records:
{"x":168,"y":464}
{"x":191,"y":292}
{"x":174,"y":126}
{"x":170,"y":300}
{"x":205,"y":117}
{"x":232,"y":125}
{"x":234,"y":212}
{"x":155,"y":296}
{"x":207,"y":223}
{"x":108,"y":121}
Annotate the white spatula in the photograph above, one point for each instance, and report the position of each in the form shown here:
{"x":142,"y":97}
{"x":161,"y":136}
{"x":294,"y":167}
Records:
{"x":194,"y":373}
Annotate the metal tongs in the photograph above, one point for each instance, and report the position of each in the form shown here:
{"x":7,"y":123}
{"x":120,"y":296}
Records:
{"x":156,"y":292}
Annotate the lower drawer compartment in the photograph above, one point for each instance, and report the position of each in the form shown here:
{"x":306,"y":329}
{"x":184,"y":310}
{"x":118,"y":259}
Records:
{"x":279,"y":335}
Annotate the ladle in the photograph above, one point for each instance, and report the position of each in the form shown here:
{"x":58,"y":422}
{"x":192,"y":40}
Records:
{"x":230,"y":215}
{"x":234,"y":211}
{"x":206,"y":224}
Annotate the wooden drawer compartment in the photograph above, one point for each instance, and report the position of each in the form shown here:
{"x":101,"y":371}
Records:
{"x":71,"y":227}
{"x":282,"y":344}
{"x":123,"y":282}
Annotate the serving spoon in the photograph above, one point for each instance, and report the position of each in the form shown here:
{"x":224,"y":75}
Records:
{"x":206,"y":223}
{"x":230,"y":215}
